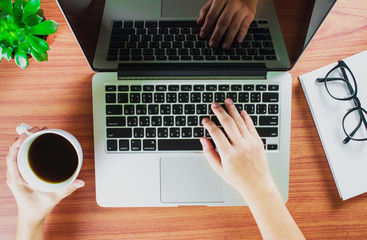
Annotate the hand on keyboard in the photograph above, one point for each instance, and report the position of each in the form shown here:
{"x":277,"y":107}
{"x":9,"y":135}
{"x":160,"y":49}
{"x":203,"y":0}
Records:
{"x":232,"y":17}
{"x":240,"y":159}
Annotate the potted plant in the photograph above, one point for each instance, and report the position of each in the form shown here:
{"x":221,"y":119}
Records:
{"x":23,"y":31}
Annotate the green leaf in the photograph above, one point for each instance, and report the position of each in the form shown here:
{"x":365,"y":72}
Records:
{"x":31,"y":7}
{"x":21,"y":59}
{"x":45,"y":28}
{"x":40,"y":57}
{"x":37,"y":43}
{"x":19,"y":3}
{"x":33,"y":20}
{"x":7,"y":52}
{"x":6,"y":6}
{"x":18,"y":8}
{"x":25,"y":47}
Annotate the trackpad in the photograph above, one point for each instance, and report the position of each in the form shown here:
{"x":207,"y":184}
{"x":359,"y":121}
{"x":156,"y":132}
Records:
{"x":189,"y":180}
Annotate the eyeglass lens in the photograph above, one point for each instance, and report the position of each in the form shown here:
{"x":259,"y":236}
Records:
{"x":340,"y":83}
{"x":355,"y":124}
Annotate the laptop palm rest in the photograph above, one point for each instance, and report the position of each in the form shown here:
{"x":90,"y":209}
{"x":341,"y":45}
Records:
{"x":181,"y":9}
{"x":189,"y":180}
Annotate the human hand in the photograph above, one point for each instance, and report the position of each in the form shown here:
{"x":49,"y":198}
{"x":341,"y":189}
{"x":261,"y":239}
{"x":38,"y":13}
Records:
{"x":33,"y":205}
{"x":241,"y":159}
{"x":233,"y":18}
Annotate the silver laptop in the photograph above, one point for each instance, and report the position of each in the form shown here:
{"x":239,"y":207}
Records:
{"x":156,"y":80}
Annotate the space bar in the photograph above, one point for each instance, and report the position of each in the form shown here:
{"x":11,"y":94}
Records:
{"x":179,"y":144}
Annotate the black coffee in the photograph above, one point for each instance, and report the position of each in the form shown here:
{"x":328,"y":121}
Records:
{"x":52,"y":158}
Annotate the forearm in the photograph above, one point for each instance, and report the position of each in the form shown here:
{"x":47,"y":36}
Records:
{"x":29,"y":229}
{"x":272,"y":216}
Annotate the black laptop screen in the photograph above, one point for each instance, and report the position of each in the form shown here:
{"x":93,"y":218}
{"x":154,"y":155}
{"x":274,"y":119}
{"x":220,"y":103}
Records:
{"x":299,"y":20}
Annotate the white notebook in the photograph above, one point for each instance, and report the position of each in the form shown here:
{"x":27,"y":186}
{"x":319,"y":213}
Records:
{"x":348,"y":162}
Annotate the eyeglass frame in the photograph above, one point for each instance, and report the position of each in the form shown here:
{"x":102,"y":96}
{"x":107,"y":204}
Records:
{"x":342,"y":65}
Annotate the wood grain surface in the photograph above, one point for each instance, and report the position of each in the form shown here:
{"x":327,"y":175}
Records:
{"x":58,"y":94}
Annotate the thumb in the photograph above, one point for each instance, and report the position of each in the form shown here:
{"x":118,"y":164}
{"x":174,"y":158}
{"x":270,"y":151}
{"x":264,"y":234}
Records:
{"x":72,"y":188}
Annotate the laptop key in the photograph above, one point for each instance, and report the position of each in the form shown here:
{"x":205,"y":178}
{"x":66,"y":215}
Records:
{"x":272,"y":146}
{"x":151,"y":24}
{"x":174,"y":132}
{"x":116,"y":121}
{"x":132,"y":121}
{"x":267,"y":132}
{"x":150,"y":132}
{"x":111,"y":145}
{"x":119,"y":133}
{"x":168,"y":121}
{"x":199,"y":132}
{"x":124,"y":145}
{"x":135,"y":145}
{"x":162,"y":132}
{"x":270,"y":97}
{"x":186,"y":132}
{"x":178,"y":24}
{"x":113,"y":109}
{"x":138,"y":132}
{"x":273,"y":108}
{"x":156,"y":121}
{"x":223,"y":87}
{"x":110,"y":98}
{"x":268,"y":120}
{"x":179,"y":144}
{"x":149,"y":145}
{"x":117,"y":24}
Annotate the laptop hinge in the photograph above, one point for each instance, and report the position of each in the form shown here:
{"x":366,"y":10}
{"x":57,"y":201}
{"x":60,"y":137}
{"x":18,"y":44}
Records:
{"x":189,"y":70}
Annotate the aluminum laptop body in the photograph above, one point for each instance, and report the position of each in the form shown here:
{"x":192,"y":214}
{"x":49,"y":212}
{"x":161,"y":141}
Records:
{"x":175,"y":178}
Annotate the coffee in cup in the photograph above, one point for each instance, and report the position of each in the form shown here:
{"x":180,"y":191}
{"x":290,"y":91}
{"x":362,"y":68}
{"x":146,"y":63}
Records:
{"x":50,"y":159}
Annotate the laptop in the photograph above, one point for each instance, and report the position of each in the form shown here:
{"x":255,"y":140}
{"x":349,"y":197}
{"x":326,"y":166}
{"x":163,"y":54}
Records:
{"x":156,"y":80}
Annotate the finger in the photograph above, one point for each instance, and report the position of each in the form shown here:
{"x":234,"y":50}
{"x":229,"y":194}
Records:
{"x":221,"y":26}
{"x":71,"y":188}
{"x":211,"y":155}
{"x":244,"y":28}
{"x":11,"y":158}
{"x":204,"y":11}
{"x":211,"y":17}
{"x":232,"y":30}
{"x":227,"y":122}
{"x":233,"y":112}
{"x":217,"y":135}
{"x":34,"y":129}
{"x":250,"y":124}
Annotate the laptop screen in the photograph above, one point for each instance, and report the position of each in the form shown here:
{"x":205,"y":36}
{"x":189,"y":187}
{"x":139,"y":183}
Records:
{"x":299,"y":20}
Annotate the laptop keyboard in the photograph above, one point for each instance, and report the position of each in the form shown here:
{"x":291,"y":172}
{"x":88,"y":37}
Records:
{"x":168,"y":117}
{"x":180,"y":41}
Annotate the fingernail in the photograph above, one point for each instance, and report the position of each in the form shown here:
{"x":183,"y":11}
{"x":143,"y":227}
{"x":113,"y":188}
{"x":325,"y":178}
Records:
{"x":200,"y":17}
{"x":244,"y":113}
{"x":213,"y":44}
{"x":225,"y":46}
{"x":202,"y":141}
{"x":229,"y":101}
{"x":79,"y":184}
{"x":205,"y":120}
{"x":215,"y":104}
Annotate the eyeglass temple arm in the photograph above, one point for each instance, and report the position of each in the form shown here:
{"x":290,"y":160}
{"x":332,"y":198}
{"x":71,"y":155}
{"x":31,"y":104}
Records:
{"x":350,"y":88}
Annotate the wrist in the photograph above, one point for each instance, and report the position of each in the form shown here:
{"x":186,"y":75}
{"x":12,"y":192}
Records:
{"x":260,"y":190}
{"x":27,"y":220}
{"x":30,"y":228}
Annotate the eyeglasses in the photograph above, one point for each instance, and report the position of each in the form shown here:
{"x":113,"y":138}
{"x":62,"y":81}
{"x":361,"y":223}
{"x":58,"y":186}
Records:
{"x":341,"y":85}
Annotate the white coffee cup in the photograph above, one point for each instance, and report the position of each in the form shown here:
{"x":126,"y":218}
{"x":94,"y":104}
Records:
{"x":23,"y":159}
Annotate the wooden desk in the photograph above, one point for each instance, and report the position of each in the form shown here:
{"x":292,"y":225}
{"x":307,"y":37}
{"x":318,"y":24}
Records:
{"x":58,"y":94}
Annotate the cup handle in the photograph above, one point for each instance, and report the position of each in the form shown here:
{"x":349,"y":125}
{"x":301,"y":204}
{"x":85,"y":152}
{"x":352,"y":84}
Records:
{"x":23,"y":128}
